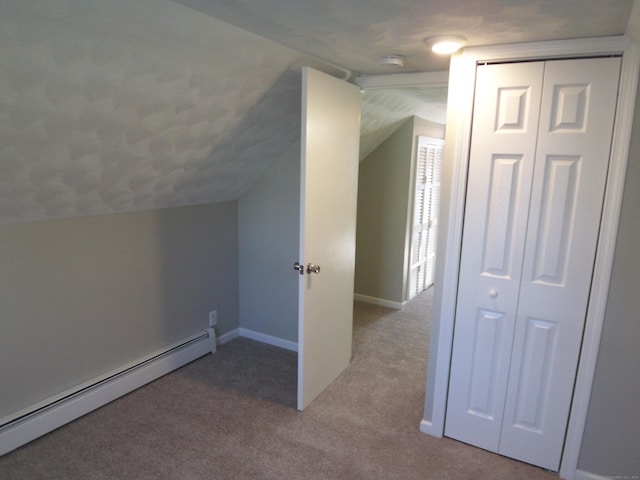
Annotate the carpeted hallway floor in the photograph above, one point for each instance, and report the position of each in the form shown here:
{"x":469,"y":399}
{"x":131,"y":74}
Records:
{"x":232,"y":416}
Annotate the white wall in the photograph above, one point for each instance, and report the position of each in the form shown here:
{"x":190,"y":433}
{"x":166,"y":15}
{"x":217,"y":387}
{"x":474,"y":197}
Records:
{"x":84,"y":296}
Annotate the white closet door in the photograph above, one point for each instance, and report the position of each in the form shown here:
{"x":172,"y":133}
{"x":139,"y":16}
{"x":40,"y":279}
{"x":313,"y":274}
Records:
{"x":530,"y":234}
{"x":503,"y":143}
{"x":574,"y":139}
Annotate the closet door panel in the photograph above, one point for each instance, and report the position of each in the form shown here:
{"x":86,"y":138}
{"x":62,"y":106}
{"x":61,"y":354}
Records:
{"x":576,"y":124}
{"x":500,"y":174}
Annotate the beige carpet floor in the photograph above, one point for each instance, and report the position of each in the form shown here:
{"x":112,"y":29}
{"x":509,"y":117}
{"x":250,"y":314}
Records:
{"x":232,"y":416}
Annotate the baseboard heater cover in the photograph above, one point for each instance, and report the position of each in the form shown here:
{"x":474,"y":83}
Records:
{"x":57,"y":411}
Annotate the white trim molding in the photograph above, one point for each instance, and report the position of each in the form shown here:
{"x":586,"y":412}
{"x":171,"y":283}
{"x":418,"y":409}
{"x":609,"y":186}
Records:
{"x":379,"y":301}
{"x":457,"y":143}
{"x":582,"y":475}
{"x":268,"y":339}
{"x":257,"y":336}
{"x":403,"y":80}
{"x":227,"y":337}
{"x":61,"y":409}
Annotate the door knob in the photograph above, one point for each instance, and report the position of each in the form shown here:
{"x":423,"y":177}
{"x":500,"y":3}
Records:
{"x":300,"y":268}
{"x":493,"y":293}
{"x":311,"y":268}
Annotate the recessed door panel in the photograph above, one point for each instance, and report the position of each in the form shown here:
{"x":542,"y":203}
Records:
{"x":513,"y":104}
{"x":569,"y":108}
{"x":539,"y":352}
{"x":487,"y":339}
{"x":499,"y":230}
{"x":557,"y":210}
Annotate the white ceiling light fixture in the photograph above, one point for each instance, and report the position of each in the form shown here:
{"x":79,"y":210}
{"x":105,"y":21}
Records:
{"x":393,"y":60}
{"x":445,"y":44}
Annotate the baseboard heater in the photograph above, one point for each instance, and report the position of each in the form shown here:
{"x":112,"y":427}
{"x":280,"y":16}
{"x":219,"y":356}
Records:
{"x":54,"y":412}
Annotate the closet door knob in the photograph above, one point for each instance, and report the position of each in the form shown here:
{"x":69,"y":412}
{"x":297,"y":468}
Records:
{"x":493,"y":293}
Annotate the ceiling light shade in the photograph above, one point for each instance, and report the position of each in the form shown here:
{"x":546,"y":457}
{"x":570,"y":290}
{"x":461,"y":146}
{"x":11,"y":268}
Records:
{"x":446,"y":44}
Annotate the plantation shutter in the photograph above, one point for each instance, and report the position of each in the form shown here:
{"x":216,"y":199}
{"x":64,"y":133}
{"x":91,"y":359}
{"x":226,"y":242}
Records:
{"x":425,"y":221}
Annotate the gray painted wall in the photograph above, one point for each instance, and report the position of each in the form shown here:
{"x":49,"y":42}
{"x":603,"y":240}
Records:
{"x":269,"y":232}
{"x":83,"y":296}
{"x":611,"y":441}
{"x":385,"y":199}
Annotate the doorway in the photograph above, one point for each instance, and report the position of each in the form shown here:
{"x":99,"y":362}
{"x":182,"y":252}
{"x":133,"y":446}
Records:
{"x":393,"y":119}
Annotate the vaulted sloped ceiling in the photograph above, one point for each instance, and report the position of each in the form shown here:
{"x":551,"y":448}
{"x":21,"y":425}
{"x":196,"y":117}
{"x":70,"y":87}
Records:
{"x":119,"y":105}
{"x":356,"y":33}
{"x":384,"y":110}
{"x":123,"y":105}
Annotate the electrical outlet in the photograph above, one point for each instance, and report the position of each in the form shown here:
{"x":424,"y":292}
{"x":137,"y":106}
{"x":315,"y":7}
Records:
{"x":213,"y":318}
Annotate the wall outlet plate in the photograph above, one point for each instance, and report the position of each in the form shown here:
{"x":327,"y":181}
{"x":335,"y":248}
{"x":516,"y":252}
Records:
{"x":213,"y":318}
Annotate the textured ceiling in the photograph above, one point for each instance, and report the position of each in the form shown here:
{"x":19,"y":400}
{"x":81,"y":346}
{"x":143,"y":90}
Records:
{"x":123,"y":105}
{"x":118,"y":105}
{"x":383,"y":111}
{"x":356,"y":33}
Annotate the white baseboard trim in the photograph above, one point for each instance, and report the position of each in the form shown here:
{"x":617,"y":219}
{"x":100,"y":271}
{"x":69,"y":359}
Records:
{"x":61,"y":409}
{"x":582,"y":475}
{"x":259,"y":337}
{"x":227,"y":337}
{"x":427,"y":427}
{"x":379,"y":301}
{"x":264,"y":338}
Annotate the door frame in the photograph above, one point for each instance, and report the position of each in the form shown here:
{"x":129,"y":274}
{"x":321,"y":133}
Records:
{"x":457,"y":144}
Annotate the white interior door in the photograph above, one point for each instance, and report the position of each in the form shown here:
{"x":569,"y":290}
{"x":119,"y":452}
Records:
{"x":329,"y":180}
{"x":533,"y":214}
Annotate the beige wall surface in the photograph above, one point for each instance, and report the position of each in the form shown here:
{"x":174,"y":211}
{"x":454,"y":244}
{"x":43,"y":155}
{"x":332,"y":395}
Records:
{"x":81,"y":297}
{"x":612,"y":431}
{"x":383,"y":187}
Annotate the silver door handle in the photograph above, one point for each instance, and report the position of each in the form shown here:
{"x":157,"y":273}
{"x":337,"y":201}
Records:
{"x":311,"y":268}
{"x":300,"y":268}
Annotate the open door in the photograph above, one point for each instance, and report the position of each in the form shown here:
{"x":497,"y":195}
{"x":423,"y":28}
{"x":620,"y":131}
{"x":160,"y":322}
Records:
{"x":329,"y":180}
